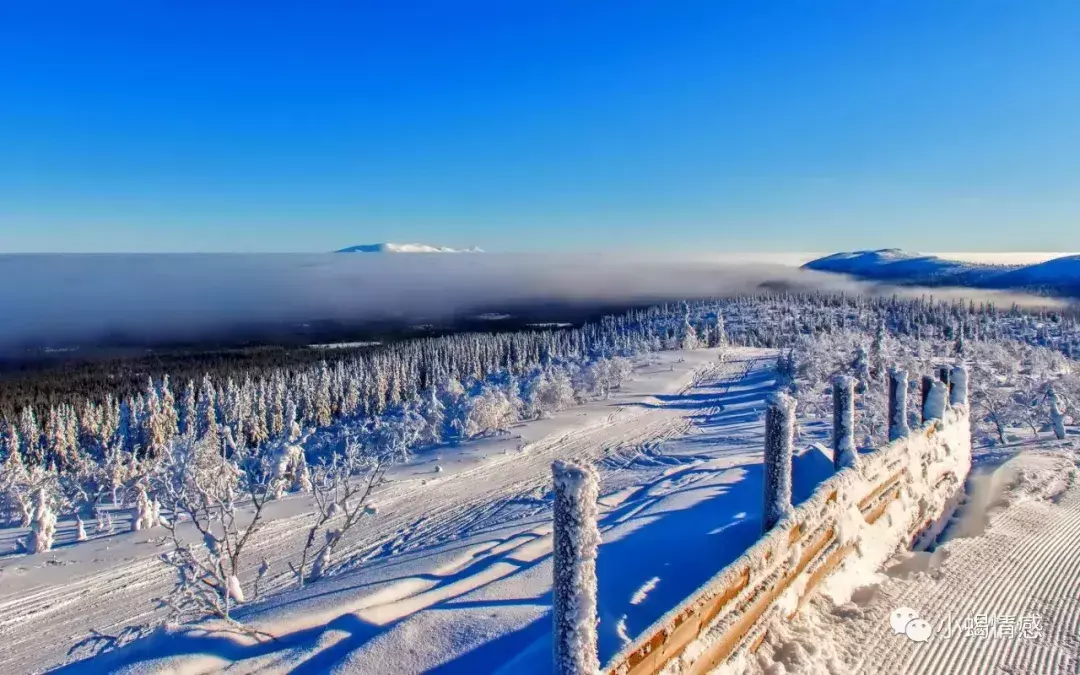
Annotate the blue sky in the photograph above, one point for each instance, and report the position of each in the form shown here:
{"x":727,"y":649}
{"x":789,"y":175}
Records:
{"x":735,"y":125}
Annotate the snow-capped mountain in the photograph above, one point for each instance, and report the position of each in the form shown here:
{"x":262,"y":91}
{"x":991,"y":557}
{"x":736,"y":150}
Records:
{"x":406,"y":248}
{"x":1058,"y":276}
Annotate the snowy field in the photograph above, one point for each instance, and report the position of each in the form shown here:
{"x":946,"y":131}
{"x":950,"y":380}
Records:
{"x":453,"y":573}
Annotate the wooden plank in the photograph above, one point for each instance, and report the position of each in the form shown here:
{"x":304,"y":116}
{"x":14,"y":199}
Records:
{"x":885,"y":485}
{"x":716,"y":653}
{"x":643,"y":659}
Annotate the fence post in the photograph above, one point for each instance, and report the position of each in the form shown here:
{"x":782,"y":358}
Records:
{"x":945,"y":375}
{"x":779,"y":448}
{"x":577,"y":538}
{"x":958,"y":392}
{"x":844,"y":453}
{"x":934,"y":405}
{"x":927,"y":385}
{"x":898,"y":407}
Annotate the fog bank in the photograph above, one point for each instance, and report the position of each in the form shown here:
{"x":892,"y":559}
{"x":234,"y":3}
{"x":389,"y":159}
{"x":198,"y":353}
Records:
{"x":76,"y":299}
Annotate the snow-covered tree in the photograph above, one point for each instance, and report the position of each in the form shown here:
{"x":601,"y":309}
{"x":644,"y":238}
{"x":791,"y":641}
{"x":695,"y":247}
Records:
{"x":43,"y":524}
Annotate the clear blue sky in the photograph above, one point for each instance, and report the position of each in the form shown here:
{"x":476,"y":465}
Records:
{"x":758,"y":125}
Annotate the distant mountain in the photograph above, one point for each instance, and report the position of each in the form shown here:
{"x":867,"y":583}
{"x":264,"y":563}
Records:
{"x":1060,"y":276}
{"x":406,"y":248}
{"x":1060,"y":273}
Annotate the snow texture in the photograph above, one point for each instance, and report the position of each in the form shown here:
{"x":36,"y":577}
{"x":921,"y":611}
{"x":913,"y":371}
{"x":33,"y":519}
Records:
{"x":779,"y":449}
{"x":577,"y":539}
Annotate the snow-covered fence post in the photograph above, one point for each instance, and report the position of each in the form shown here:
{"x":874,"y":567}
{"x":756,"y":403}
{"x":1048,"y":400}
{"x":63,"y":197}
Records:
{"x":958,"y":391}
{"x":945,"y":375}
{"x":844,"y":454}
{"x":934,"y":405}
{"x":577,"y":538}
{"x":779,"y":448}
{"x":1057,"y":415}
{"x":898,"y":408}
{"x":927,"y":385}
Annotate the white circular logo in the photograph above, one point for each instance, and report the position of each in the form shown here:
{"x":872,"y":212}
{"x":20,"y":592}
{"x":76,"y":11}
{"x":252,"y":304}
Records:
{"x":906,"y":621}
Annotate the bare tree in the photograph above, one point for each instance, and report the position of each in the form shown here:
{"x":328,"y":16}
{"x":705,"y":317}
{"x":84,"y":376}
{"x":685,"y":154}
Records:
{"x":221,"y":492}
{"x":342,"y":486}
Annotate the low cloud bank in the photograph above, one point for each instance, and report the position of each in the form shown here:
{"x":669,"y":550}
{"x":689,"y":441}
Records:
{"x":76,"y":299}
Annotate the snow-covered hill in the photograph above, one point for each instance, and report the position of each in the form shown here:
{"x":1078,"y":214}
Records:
{"x":1061,"y":273}
{"x":1059,"y":276}
{"x":390,"y":247}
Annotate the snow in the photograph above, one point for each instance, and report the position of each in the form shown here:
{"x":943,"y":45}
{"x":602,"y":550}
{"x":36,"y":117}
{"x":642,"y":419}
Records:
{"x":681,"y":468}
{"x":925,"y":471}
{"x":898,"y":404}
{"x":844,"y":422}
{"x":1010,"y":555}
{"x":935,"y":403}
{"x":576,"y":540}
{"x":390,"y":247}
{"x":453,"y":573}
{"x":779,"y":449}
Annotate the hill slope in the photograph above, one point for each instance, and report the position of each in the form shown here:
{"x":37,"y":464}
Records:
{"x":1060,"y":276}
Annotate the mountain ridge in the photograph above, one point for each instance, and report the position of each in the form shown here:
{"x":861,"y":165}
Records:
{"x":1057,"y":276}
{"x":391,"y":247}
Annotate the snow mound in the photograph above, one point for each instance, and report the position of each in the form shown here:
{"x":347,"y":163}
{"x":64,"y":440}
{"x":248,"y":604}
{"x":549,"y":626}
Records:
{"x":390,"y":247}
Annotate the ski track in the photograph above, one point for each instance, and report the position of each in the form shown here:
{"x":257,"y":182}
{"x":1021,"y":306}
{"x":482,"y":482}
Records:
{"x":39,"y":626}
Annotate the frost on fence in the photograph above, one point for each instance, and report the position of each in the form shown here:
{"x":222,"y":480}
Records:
{"x":844,"y":453}
{"x":958,"y":391}
{"x":577,"y":539}
{"x":934,"y":405}
{"x":898,"y":406}
{"x":779,"y":448}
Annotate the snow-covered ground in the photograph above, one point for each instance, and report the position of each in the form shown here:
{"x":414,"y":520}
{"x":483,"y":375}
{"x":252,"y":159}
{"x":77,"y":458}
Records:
{"x":1001,"y":593}
{"x":453,"y":573}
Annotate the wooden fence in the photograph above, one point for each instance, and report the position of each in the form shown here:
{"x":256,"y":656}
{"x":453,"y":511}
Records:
{"x":900,"y":496}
